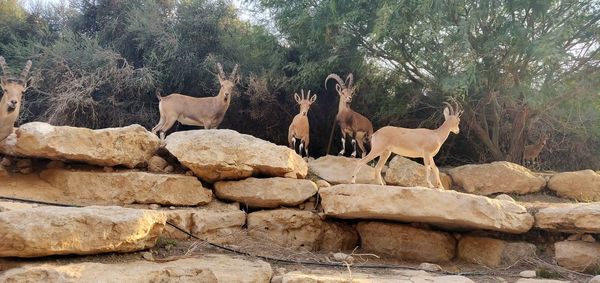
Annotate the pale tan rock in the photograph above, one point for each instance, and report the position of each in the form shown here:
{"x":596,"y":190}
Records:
{"x":496,"y":177}
{"x":407,"y":173}
{"x":157,"y":164}
{"x":492,"y":252}
{"x":52,"y":230}
{"x":596,"y":279}
{"x":128,"y":146}
{"x":505,"y":197}
{"x":397,"y":276}
{"x":127,"y":187}
{"x":205,"y":268}
{"x":216,"y":155}
{"x":578,"y":255}
{"x":527,"y":274}
{"x":338,"y":170}
{"x":406,"y":242}
{"x":580,"y":185}
{"x":588,"y":238}
{"x":267,"y":192}
{"x":10,"y":206}
{"x":530,"y":280}
{"x":448,"y":209}
{"x":24,"y":163}
{"x":301,"y":229}
{"x":322,"y":184}
{"x":430,"y":267}
{"x":571,"y":218}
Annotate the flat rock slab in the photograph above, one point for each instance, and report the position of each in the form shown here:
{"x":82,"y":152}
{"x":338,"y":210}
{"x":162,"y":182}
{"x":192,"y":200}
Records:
{"x":447,"y":209}
{"x":580,"y":185}
{"x":339,"y":169}
{"x":128,"y":146}
{"x":207,"y":268}
{"x":578,"y":255}
{"x":266,"y":193}
{"x":492,"y":252}
{"x":216,"y":155}
{"x":570,"y":218}
{"x":394,"y":276}
{"x":44,"y":231}
{"x":496,"y":177}
{"x":407,"y":173}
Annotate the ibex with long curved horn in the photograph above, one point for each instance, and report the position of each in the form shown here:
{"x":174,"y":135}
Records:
{"x":10,"y":104}
{"x":197,"y":111}
{"x":413,"y":143}
{"x":351,"y":123}
{"x":299,"y":128}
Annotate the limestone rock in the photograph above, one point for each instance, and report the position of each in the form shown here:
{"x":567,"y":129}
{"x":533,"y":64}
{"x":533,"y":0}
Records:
{"x":496,"y":177}
{"x":527,"y":274}
{"x":397,"y":276}
{"x":207,"y":268}
{"x":577,"y":255}
{"x":50,"y":230}
{"x":493,"y":252}
{"x":596,"y":279}
{"x":157,"y":164}
{"x":447,"y":209}
{"x":10,"y":206}
{"x":505,"y":197}
{"x":216,"y":155}
{"x":571,"y":218}
{"x":338,"y":170}
{"x":129,"y":146}
{"x":266,"y":193}
{"x":323,"y":184}
{"x":581,"y":185}
{"x":407,"y":173}
{"x":406,"y":242}
{"x":301,"y":229}
{"x":530,"y":280}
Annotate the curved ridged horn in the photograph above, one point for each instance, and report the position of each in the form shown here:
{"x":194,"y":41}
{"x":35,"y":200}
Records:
{"x":335,"y":77}
{"x":221,"y":73}
{"x":308,"y":95}
{"x":4,"y":69}
{"x":350,"y":80}
{"x":25,"y":71}
{"x":233,"y":73}
{"x":450,"y":108}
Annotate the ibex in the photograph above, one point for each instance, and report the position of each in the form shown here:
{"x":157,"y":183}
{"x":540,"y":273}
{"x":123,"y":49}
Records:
{"x":299,"y":128}
{"x":351,"y":123}
{"x":532,"y":151}
{"x":413,"y":143}
{"x":196,"y":111}
{"x":11,"y":99}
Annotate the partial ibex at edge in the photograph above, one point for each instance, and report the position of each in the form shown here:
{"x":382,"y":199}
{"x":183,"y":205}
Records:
{"x":11,"y":99}
{"x":197,"y":111}
{"x":351,"y":123}
{"x":299,"y":128}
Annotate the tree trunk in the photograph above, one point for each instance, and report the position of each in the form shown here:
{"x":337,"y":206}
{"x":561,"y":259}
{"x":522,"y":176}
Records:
{"x":517,"y":137}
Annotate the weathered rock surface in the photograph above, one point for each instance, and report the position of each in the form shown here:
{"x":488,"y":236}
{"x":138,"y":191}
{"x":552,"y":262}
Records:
{"x":578,"y":255}
{"x":157,"y":164}
{"x":406,"y":242}
{"x":496,"y":177}
{"x":301,"y":229}
{"x":581,"y":185}
{"x":448,"y":209}
{"x":48,"y":230}
{"x":208,"y":268}
{"x":10,"y":206}
{"x":407,"y":173}
{"x":339,"y":169}
{"x":492,"y":252}
{"x":397,"y":276}
{"x":572,"y":218}
{"x":266,"y":193}
{"x":129,"y":146}
{"x":216,"y":155}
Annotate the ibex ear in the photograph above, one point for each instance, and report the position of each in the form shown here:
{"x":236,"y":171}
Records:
{"x":338,"y":87}
{"x":313,"y":99}
{"x":296,"y":97}
{"x":446,"y":113}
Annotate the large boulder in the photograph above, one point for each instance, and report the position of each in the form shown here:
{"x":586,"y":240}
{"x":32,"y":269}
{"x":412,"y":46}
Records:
{"x":578,"y":255}
{"x":301,"y":229}
{"x":447,"y":209}
{"x":339,"y":169}
{"x":581,"y":185}
{"x":571,"y":218}
{"x":407,"y":173}
{"x":44,"y":231}
{"x":406,"y":242}
{"x":216,"y":155}
{"x":496,"y":177}
{"x":207,"y":268}
{"x":393,"y":276}
{"x":266,"y":193}
{"x":128,"y":146}
{"x":492,"y":252}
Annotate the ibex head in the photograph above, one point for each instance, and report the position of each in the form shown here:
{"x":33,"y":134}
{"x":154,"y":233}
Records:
{"x":305,"y":102}
{"x":452,"y":115}
{"x":345,"y":89}
{"x":13,"y":88}
{"x":227,"y":82}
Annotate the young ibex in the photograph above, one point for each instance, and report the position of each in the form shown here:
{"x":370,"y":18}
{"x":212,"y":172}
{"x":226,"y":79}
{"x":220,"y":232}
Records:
{"x":414,"y":143}
{"x":196,"y":111}
{"x":532,"y":151}
{"x":351,"y":123}
{"x":299,"y":129}
{"x":11,"y":99}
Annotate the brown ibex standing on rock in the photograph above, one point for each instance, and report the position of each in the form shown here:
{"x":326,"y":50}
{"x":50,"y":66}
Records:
{"x":413,"y":143}
{"x":532,"y":151}
{"x":196,"y":111}
{"x":11,"y":99}
{"x":299,"y":128}
{"x":351,"y":123}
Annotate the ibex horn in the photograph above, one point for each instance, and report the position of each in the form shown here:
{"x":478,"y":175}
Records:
{"x":335,"y":77}
{"x":350,"y":80}
{"x":4,"y":69}
{"x":221,"y":73}
{"x":25,"y":71}
{"x":450,"y":108}
{"x":235,"y":68}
